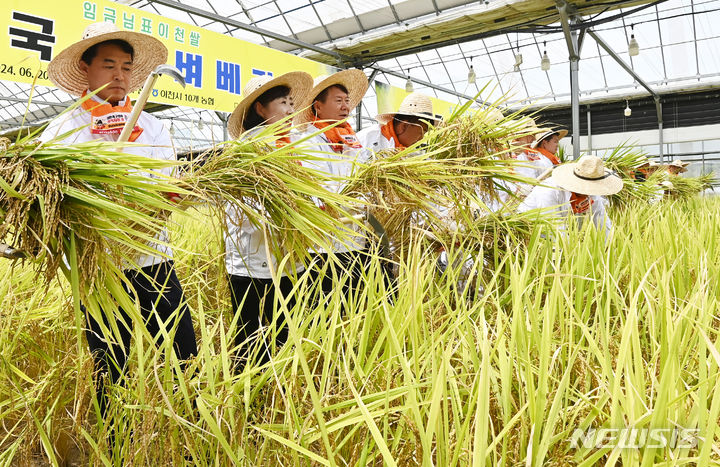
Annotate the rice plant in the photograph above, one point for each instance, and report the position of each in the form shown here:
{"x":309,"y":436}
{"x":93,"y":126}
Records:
{"x":554,"y":336}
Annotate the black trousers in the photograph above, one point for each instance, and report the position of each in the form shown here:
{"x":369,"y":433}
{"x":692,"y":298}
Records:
{"x":157,"y":288}
{"x":254,"y":299}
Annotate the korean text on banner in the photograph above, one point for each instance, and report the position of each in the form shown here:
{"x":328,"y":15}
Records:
{"x":215,"y":65}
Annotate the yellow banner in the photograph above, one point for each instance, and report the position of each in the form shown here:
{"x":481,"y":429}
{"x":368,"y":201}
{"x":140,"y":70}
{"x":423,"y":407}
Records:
{"x":215,"y":65}
{"x":389,"y":99}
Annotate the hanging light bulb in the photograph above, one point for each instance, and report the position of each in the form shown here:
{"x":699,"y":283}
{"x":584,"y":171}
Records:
{"x":628,"y":110}
{"x":518,"y":58}
{"x":545,"y":62}
{"x":409,"y":84}
{"x":201,"y":125}
{"x":471,"y":74}
{"x":172,"y":129}
{"x":633,"y":46}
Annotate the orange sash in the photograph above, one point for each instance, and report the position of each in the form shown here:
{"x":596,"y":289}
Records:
{"x":388,"y":131}
{"x":109,"y":120}
{"x":580,"y":203}
{"x":549,"y":155}
{"x":340,"y":136}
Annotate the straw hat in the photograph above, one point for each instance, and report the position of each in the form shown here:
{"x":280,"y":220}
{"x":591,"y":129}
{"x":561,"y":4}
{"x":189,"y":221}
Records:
{"x":522,"y":125}
{"x":64,"y":70}
{"x":299,"y":83}
{"x":353,"y":80}
{"x":679,"y":164}
{"x":492,"y":114}
{"x":414,"y":105}
{"x":587,"y":176}
{"x":548,"y":132}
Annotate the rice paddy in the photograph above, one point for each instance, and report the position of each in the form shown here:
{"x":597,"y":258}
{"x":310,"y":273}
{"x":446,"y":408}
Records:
{"x":493,"y":362}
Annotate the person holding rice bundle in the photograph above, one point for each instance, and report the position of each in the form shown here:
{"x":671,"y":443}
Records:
{"x":266,"y":101}
{"x":333,"y":140}
{"x":400,"y":129}
{"x":115,"y":63}
{"x":577,"y":188}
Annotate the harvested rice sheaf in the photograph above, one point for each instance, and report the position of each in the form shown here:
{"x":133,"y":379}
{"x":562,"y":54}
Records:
{"x":689,"y":187}
{"x":463,"y":163}
{"x":105,"y":200}
{"x":273,"y":189}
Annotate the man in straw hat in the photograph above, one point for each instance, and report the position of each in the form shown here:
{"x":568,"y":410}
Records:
{"x":121,"y":61}
{"x":328,"y":105}
{"x":677,"y":167}
{"x":266,"y":101}
{"x":577,"y":188}
{"x":400,"y":129}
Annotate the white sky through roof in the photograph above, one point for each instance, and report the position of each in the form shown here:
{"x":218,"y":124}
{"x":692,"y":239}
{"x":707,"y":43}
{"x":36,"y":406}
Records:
{"x":679,"y":48}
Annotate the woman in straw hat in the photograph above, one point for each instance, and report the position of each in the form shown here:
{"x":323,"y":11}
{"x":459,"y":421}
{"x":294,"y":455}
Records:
{"x":266,"y":101}
{"x":328,"y":105}
{"x":122,"y":60}
{"x":543,"y":152}
{"x":533,"y":163}
{"x":577,"y":188}
{"x":401,"y":129}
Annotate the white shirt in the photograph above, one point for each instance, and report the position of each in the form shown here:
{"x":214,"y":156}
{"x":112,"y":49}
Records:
{"x":372,"y":139}
{"x":337,"y":166}
{"x":557,"y":201}
{"x":533,"y":164}
{"x":245,"y":252}
{"x":157,"y":145}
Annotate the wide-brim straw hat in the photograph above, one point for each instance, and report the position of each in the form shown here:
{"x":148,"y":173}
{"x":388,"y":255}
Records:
{"x":523,"y":126}
{"x":587,"y":176}
{"x":414,"y":105}
{"x":353,"y":80}
{"x":64,"y":70}
{"x":298,"y":82}
{"x":680,"y":164}
{"x":546,"y":133}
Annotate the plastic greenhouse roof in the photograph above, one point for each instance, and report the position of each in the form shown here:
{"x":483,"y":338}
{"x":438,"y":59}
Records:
{"x":679,"y":48}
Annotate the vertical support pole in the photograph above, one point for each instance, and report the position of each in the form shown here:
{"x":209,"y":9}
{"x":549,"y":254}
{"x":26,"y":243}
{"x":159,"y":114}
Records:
{"x":589,"y":127}
{"x":358,"y":117}
{"x":567,"y":12}
{"x":661,"y":139}
{"x":575,"y":95}
{"x":224,"y":119}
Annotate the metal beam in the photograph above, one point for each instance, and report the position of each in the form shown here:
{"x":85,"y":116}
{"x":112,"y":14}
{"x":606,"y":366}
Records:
{"x":428,"y":84}
{"x":358,"y":111}
{"x":589,"y":127}
{"x":254,"y":29}
{"x":571,"y":38}
{"x":563,"y":10}
{"x":661,"y":138}
{"x":27,"y":100}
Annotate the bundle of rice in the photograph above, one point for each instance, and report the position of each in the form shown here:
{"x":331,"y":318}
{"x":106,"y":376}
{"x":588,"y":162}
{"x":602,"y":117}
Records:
{"x":274,"y":190}
{"x":625,"y":161}
{"x":689,"y":187}
{"x":638,"y":186}
{"x":86,"y":197}
{"x":463,"y":163}
{"x":642,"y":191}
